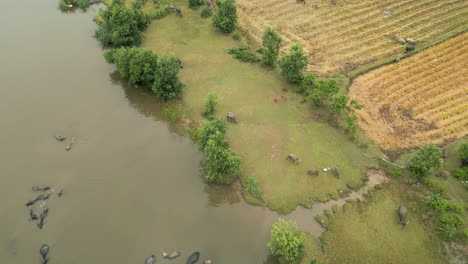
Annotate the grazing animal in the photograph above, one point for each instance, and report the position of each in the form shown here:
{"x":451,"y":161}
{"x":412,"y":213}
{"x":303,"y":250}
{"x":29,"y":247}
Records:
{"x":403,"y":213}
{"x":193,"y":258}
{"x":312,"y":172}
{"x":293,"y":158}
{"x":231,"y":117}
{"x":333,"y":2}
{"x":336,"y":172}
{"x":410,"y":48}
{"x":173,"y":255}
{"x":151,"y":259}
{"x":180,"y":62}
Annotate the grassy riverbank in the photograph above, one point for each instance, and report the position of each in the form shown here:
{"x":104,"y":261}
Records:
{"x":272,"y":120}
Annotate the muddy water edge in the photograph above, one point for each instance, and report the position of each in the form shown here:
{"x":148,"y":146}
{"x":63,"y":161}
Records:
{"x":131,"y":186}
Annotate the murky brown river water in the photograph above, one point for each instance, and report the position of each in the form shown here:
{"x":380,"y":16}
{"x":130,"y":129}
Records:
{"x":132,"y":187}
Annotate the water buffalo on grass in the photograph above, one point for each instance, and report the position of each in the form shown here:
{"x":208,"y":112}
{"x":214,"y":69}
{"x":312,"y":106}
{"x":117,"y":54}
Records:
{"x":312,"y":172}
{"x":193,"y":258}
{"x":293,"y":157}
{"x":403,"y":213}
{"x":151,"y":259}
{"x":412,"y":41}
{"x":231,"y":117}
{"x":336,"y":172}
{"x":410,"y":47}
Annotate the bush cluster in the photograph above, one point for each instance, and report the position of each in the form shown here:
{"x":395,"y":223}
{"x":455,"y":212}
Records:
{"x":426,"y":159}
{"x":209,"y":108}
{"x":142,"y":66}
{"x":286,"y":242}
{"x":206,"y":11}
{"x":225,"y":19}
{"x":221,"y":165}
{"x":243,"y":54}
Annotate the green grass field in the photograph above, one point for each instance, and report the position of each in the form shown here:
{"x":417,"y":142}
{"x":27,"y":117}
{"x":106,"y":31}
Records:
{"x":267,"y":130}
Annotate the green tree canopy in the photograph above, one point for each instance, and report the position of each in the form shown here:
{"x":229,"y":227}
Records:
{"x":225,"y":19}
{"x":293,"y":64}
{"x":463,"y":151}
{"x":138,"y":65}
{"x":122,"y":26}
{"x":424,"y":160}
{"x":221,"y":164}
{"x":210,"y":128}
{"x":321,"y":92}
{"x":285,"y":241}
{"x":271,"y":45}
{"x":166,"y":82}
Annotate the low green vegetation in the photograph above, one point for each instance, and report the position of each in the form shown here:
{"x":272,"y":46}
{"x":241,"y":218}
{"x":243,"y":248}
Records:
{"x":172,"y":115}
{"x":209,"y":108}
{"x":271,"y":45}
{"x":461,"y":174}
{"x":142,"y":66}
{"x":220,"y":165}
{"x":70,"y":5}
{"x":225,"y":18}
{"x":243,"y":54}
{"x":426,"y":159}
{"x":122,"y":26}
{"x":293,"y":64}
{"x":286,"y":242}
{"x":463,"y":152}
{"x":194,"y":3}
{"x":236,"y":35}
{"x":252,"y":187}
{"x":206,"y":11}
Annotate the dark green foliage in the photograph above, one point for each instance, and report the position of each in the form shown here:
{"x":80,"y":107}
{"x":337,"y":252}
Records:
{"x":83,"y":4}
{"x":209,"y":108}
{"x":69,"y":5}
{"x":346,"y":107}
{"x":137,"y":4}
{"x":307,"y":85}
{"x":293,"y":64}
{"x":463,"y":151}
{"x":166,"y":82}
{"x":138,"y":65}
{"x":397,"y":172}
{"x":438,"y":203}
{"x":194,"y":3}
{"x":286,"y":242}
{"x":210,"y":129}
{"x":122,"y":27}
{"x":271,"y":45}
{"x":160,"y":13}
{"x":206,"y":11}
{"x":225,"y":19}
{"x":243,"y":54}
{"x":221,"y":164}
{"x":252,"y":187}
{"x":172,"y":115}
{"x":449,"y":225}
{"x":461,"y":173}
{"x":321,"y":92}
{"x":424,"y":160}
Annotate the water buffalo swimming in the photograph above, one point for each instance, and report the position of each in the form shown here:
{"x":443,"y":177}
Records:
{"x":193,"y":258}
{"x":60,"y":193}
{"x":42,"y":196}
{"x":44,"y":252}
{"x":403,"y":212}
{"x":173,"y":255}
{"x":40,"y":189}
{"x":59,"y":138}
{"x":151,"y":259}
{"x":42,"y":217}
{"x":32,"y":214}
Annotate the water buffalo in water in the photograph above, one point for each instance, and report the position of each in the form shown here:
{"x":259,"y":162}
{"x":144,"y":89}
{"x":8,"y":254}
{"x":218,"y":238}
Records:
{"x":173,"y":255}
{"x":208,"y":261}
{"x":403,"y":212}
{"x":59,"y":138}
{"x":33,"y":214}
{"x":151,"y":259}
{"x":42,"y":217}
{"x":60,"y":193}
{"x":193,"y":258}
{"x":44,"y":252}
{"x":40,"y":189}
{"x":42,"y":196}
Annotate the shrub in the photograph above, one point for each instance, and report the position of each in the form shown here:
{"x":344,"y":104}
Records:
{"x":438,"y":203}
{"x":209,"y":129}
{"x":285,"y":241}
{"x":138,"y":65}
{"x":243,"y":54}
{"x":206,"y":11}
{"x":461,"y":173}
{"x":194,"y":3}
{"x":236,"y":35}
{"x":122,"y":26}
{"x":137,"y":4}
{"x":397,"y":172}
{"x":307,"y":84}
{"x":252,"y":187}
{"x":293,"y":64}
{"x":424,"y":160}
{"x":428,"y":182}
{"x":171,"y":115}
{"x":65,"y":5}
{"x":83,"y":4}
{"x":209,"y":108}
{"x":225,"y":19}
{"x":463,"y":151}
{"x":166,"y":82}
{"x":449,"y":225}
{"x":160,"y":13}
{"x":458,"y":209}
{"x":194,"y":133}
{"x":271,"y":45}
{"x":321,"y":92}
{"x":221,"y":165}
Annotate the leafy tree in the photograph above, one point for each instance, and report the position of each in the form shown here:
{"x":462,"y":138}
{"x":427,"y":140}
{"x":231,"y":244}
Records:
{"x":122,"y":26}
{"x":424,"y":160}
{"x":221,"y":165}
{"x":271,"y":45}
{"x":438,"y":203}
{"x":166,"y":82}
{"x":346,"y":107}
{"x":285,"y":241}
{"x":321,"y":91}
{"x":461,"y":173}
{"x":225,"y":19}
{"x":210,"y":128}
{"x":307,"y":85}
{"x":138,"y":65}
{"x":293,"y":64}
{"x":463,"y":151}
{"x":137,"y":4}
{"x":209,"y":108}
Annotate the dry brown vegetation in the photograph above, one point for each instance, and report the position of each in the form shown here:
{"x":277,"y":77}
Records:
{"x":341,"y":37}
{"x":418,"y":100}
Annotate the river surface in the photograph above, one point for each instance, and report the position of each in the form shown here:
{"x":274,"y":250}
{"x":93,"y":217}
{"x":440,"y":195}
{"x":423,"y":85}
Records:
{"x":131,"y":186}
